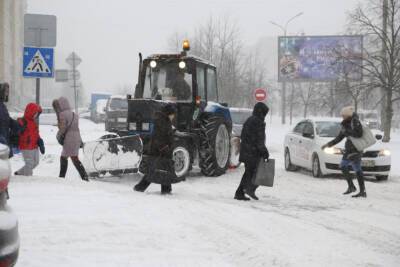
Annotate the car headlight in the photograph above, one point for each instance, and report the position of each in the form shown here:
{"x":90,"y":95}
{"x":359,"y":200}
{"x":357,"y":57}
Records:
{"x":132,"y":126}
{"x":384,"y":152}
{"x":333,"y":151}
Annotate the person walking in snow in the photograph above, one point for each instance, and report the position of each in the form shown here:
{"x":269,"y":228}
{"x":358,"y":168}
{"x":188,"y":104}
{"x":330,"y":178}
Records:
{"x":252,"y":149}
{"x":8,"y":126}
{"x":161,"y":146}
{"x":69,"y":137}
{"x":29,"y":141}
{"x":351,"y":127}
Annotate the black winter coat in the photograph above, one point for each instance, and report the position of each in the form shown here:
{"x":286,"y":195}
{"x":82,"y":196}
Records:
{"x":163,"y":137}
{"x":252,"y":146}
{"x":353,"y":128}
{"x":8,"y":126}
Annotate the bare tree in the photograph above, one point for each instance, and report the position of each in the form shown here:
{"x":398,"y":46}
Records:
{"x":381,"y":64}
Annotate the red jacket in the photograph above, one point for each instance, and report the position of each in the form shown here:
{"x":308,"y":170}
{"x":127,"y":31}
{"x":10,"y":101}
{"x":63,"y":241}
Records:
{"x":28,"y":139}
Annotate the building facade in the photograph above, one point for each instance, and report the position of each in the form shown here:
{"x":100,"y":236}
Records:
{"x":11,"y":49}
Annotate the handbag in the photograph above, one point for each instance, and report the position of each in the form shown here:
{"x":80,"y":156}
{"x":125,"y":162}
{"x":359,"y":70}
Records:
{"x":265,"y":173}
{"x":61,"y":137}
{"x":366,"y":140}
{"x":161,"y":170}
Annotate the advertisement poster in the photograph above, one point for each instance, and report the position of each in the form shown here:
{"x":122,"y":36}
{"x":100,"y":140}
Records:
{"x":320,"y":58}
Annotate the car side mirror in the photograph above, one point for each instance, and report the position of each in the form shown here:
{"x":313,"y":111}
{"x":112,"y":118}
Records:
{"x":378,"y":137}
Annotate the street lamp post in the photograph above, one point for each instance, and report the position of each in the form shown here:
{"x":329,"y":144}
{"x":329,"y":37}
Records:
{"x":284,"y":29}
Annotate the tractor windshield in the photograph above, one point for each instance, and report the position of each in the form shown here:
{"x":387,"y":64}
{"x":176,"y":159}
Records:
{"x":168,"y":82}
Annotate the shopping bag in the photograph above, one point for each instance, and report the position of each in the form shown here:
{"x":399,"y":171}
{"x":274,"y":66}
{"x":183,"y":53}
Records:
{"x":366,"y":140}
{"x":265,"y":173}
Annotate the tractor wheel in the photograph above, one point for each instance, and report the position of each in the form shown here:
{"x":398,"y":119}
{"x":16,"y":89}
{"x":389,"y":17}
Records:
{"x":182,"y":159}
{"x":214,"y":146}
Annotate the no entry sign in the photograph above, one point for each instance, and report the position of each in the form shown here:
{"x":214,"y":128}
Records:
{"x":260,"y":94}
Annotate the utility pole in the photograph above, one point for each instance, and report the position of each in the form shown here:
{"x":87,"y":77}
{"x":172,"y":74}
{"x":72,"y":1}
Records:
{"x":74,"y":60}
{"x":283,"y":100}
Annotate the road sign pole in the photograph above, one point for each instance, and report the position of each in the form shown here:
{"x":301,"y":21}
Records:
{"x":38,"y":91}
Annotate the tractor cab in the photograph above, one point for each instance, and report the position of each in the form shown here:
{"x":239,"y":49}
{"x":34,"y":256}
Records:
{"x":187,"y":81}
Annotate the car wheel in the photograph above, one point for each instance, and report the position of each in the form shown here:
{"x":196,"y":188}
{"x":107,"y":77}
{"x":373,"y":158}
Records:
{"x":382,"y":177}
{"x":182,"y":160}
{"x":316,"y":167}
{"x":288,"y":163}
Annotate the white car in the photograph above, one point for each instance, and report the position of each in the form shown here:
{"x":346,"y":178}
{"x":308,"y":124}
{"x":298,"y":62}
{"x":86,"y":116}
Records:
{"x":302,"y":148}
{"x":9,"y":237}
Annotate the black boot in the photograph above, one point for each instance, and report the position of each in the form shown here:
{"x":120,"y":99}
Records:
{"x":361,"y":183}
{"x":63,"y":167}
{"x":142,"y":185}
{"x":239,"y":195}
{"x":251,"y":192}
{"x":351,"y":187}
{"x":79,"y":167}
{"x":166,"y":189}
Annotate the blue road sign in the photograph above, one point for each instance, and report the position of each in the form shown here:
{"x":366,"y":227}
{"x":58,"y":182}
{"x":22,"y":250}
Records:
{"x":38,"y":62}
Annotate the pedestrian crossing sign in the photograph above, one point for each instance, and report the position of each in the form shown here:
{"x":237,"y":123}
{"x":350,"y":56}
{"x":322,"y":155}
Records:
{"x":38,"y":62}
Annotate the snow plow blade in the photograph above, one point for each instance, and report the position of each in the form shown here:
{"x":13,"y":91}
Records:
{"x":116,"y":155}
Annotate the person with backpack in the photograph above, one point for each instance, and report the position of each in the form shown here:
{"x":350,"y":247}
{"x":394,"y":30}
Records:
{"x":29,"y":140}
{"x":351,"y":128}
{"x":69,"y":137}
{"x":252,"y":149}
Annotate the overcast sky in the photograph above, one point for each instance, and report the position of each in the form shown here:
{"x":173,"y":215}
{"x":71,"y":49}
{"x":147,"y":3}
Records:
{"x":108,"y":35}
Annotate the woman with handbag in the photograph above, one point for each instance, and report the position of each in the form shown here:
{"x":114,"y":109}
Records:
{"x":351,"y":128}
{"x":160,"y":167}
{"x":69,"y":137}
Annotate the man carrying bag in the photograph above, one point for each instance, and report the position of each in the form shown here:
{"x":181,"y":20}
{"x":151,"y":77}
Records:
{"x":252,"y":149}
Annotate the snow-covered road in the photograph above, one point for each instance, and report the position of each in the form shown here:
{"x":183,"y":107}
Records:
{"x":301,"y":221}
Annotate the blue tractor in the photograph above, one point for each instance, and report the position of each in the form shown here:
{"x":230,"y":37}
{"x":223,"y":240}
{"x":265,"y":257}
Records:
{"x":203,"y":124}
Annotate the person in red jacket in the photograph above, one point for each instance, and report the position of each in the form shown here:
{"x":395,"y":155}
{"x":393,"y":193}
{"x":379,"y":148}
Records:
{"x":29,"y":139}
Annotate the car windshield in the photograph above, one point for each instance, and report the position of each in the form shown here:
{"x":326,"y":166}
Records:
{"x":168,"y":82}
{"x":328,"y":128}
{"x":118,"y":103}
{"x":240,"y":117}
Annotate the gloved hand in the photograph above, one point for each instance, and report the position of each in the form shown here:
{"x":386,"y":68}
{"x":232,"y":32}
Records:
{"x":40,"y":143}
{"x":324,"y":146}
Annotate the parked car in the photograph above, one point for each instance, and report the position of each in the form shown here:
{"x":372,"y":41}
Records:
{"x":9,"y":237}
{"x":302,"y":148}
{"x":239,"y":117}
{"x":100,"y":111}
{"x":48,"y":116}
{"x":116,"y":113}
{"x":370,"y":118}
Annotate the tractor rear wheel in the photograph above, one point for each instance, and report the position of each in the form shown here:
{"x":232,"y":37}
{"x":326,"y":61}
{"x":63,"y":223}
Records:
{"x":214,"y":146}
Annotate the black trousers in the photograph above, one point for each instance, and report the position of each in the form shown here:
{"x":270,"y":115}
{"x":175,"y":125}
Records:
{"x":250,"y":169}
{"x":143,"y":184}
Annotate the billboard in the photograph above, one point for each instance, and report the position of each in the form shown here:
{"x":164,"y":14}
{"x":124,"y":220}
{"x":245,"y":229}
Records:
{"x":319,"y":58}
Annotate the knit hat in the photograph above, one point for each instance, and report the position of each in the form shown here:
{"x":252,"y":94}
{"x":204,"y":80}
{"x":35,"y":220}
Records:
{"x":347,"y":111}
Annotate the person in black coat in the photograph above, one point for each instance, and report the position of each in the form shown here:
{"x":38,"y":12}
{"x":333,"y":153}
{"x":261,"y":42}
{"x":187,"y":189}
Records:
{"x":351,"y":127}
{"x":252,"y":149}
{"x":8,"y":126}
{"x":161,"y":144}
